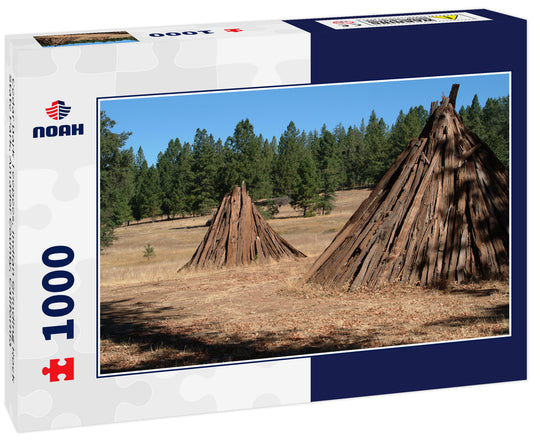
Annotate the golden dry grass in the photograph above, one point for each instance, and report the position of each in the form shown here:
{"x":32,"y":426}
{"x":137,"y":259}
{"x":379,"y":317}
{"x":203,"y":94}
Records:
{"x":152,"y":317}
{"x":175,"y":241}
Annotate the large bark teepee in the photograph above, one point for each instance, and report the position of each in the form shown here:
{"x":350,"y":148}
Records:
{"x":239,"y":235}
{"x":439,"y":214}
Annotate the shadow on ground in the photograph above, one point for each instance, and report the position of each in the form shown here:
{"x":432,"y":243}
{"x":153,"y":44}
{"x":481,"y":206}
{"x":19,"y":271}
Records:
{"x":474,"y":292}
{"x":182,"y":347}
{"x":198,"y":226}
{"x":154,"y":335}
{"x":495,"y":314}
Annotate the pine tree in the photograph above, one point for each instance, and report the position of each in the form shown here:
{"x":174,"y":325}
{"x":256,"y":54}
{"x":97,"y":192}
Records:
{"x":416,"y":120}
{"x":146,"y":202}
{"x":141,"y":171}
{"x":127,"y":188}
{"x":116,"y":180}
{"x":266,"y":160}
{"x":152,"y":194}
{"x":167,"y":171}
{"x":227,"y":174}
{"x":399,"y":134}
{"x":250,"y":160}
{"x":472,"y":116}
{"x":148,"y":251}
{"x":495,"y":127}
{"x":376,"y":147}
{"x":184,"y":180}
{"x":305,"y":193}
{"x":331,"y":171}
{"x":205,"y":167}
{"x":490,"y":123}
{"x":353,"y":157}
{"x":407,"y":127}
{"x":287,"y":160}
{"x":312,"y":143}
{"x":329,"y":162}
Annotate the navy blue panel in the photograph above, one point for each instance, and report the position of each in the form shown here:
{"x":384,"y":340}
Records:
{"x":408,"y":51}
{"x":419,"y":51}
{"x":415,"y":368}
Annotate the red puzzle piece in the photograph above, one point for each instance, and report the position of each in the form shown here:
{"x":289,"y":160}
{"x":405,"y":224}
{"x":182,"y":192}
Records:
{"x":56,"y":369}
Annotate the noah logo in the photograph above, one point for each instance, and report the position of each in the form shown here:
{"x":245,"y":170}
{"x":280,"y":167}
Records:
{"x":57,"y":111}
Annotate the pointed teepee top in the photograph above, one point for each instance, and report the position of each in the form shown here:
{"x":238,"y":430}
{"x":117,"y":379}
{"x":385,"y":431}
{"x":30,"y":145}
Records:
{"x":239,"y":235}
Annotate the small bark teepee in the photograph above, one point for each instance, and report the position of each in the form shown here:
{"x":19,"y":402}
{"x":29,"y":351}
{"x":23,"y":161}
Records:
{"x":439,"y":214}
{"x":239,"y":235}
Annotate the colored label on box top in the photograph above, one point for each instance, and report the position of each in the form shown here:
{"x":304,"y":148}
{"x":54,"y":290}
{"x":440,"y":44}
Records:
{"x":401,"y":20}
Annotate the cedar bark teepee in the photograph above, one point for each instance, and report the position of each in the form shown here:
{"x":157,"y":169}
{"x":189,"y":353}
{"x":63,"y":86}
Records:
{"x":239,"y":235}
{"x":439,"y":214}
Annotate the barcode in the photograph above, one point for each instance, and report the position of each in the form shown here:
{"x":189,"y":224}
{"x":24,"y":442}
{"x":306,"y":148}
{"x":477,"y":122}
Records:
{"x":397,"y":21}
{"x":401,"y":20}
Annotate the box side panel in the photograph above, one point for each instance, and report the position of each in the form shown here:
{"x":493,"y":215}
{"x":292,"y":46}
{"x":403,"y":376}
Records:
{"x":11,"y":236}
{"x":58,"y":206}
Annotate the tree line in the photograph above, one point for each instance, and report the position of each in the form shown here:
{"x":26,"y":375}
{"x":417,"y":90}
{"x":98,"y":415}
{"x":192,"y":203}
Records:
{"x":190,"y":178}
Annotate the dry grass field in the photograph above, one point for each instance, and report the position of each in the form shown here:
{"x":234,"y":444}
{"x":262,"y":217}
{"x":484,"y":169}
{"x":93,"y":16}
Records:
{"x":151,"y":317}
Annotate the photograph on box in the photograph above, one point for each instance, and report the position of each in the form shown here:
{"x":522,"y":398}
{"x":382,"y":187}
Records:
{"x":265,"y":223}
{"x":86,"y":38}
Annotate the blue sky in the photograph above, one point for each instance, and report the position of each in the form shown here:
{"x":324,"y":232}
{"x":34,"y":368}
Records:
{"x":154,"y":120}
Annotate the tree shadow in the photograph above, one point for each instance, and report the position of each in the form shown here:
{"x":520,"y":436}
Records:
{"x":120,"y":319}
{"x":198,"y":226}
{"x":490,"y":315}
{"x":474,"y":292}
{"x":160,"y":219}
{"x":292,"y":217}
{"x":175,"y":347}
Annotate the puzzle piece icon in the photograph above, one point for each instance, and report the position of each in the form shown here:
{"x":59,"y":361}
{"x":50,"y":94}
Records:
{"x":55,"y":369}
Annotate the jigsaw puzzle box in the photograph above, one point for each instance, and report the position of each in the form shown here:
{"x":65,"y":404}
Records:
{"x":214,"y":217}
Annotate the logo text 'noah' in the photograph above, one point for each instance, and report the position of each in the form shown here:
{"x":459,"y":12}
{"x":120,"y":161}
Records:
{"x":54,"y":130}
{"x":57,"y":111}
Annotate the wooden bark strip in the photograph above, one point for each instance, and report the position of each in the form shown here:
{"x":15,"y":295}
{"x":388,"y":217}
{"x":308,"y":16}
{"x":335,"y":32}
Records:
{"x":419,"y":221}
{"x":235,"y":206}
{"x":453,"y":94}
{"x":239,"y":235}
{"x":212,"y":234}
{"x":246,"y":228}
{"x":441,"y":213}
{"x":456,"y":260}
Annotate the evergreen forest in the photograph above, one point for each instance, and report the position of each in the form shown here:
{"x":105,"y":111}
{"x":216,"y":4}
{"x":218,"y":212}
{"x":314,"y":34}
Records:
{"x":307,"y":166}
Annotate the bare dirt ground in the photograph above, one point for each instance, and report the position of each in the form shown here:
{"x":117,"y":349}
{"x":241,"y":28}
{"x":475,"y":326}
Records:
{"x":151,"y":317}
